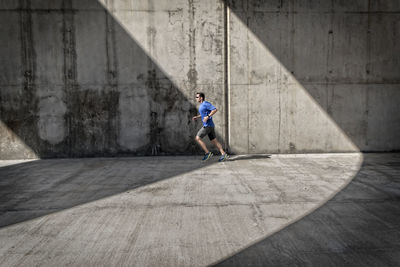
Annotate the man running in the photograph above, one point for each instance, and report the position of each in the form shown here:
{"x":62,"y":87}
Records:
{"x":207,"y":110}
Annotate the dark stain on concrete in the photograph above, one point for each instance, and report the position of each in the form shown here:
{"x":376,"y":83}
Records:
{"x":92,"y":129}
{"x":23,"y":120}
{"x":192,"y":73}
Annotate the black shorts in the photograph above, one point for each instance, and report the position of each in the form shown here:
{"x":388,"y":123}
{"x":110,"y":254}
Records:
{"x":206,"y":131}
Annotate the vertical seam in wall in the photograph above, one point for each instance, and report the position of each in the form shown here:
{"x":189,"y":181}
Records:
{"x":70,"y":70}
{"x":107,"y":43}
{"x":248,"y":76}
{"x":227,"y":76}
{"x":29,"y":69}
{"x":109,"y":74}
{"x":330,"y":88}
{"x":116,"y":76}
{"x":292,"y":51}
{"x":111,"y":77}
{"x":279,"y":82}
{"x":279,"y":88}
{"x":65,"y":73}
{"x":368,"y":65}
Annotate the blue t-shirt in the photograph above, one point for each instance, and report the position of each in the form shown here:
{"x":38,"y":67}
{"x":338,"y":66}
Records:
{"x":205,"y":109}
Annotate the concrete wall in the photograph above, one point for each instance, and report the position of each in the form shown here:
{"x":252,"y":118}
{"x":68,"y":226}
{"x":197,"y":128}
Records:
{"x":314,"y":76}
{"x":117,"y":77}
{"x":97,"y":78}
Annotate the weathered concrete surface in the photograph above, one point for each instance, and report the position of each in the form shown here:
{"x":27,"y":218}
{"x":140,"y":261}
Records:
{"x":113,"y":77}
{"x":360,"y":226}
{"x":95,"y":78}
{"x":314,"y":76}
{"x":158,"y":211}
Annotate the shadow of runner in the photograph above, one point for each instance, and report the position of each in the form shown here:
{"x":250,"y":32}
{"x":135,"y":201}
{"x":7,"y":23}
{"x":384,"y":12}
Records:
{"x":358,"y":227}
{"x":38,"y":188}
{"x":246,"y":157}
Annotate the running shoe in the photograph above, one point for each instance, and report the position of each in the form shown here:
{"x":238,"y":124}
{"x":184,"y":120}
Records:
{"x":207,"y":156}
{"x":223,"y":157}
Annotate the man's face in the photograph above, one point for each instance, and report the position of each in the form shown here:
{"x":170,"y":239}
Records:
{"x":198,"y":98}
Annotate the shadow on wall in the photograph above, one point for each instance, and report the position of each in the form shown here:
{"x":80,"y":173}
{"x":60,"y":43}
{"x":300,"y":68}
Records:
{"x":344,"y":54}
{"x":88,"y":89}
{"x":358,"y":226}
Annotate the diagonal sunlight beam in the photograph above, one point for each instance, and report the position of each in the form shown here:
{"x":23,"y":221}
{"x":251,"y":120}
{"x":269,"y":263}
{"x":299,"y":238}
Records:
{"x":17,"y":145}
{"x":280,"y":113}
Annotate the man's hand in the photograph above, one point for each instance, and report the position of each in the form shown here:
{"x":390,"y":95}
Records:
{"x":205,"y":119}
{"x":195,"y":118}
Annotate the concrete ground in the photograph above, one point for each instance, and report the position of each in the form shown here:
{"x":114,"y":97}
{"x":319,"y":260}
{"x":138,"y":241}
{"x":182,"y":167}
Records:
{"x":278,"y":210}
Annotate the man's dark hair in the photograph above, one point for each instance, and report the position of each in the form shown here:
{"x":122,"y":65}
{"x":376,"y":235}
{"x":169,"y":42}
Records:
{"x":202,"y":95}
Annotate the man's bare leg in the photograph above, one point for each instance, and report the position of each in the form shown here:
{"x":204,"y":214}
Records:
{"x":202,"y":144}
{"x":218,"y":145}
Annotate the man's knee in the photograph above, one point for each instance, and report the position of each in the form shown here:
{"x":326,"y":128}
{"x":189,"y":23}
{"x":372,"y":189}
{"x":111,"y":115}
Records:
{"x":197,"y":138}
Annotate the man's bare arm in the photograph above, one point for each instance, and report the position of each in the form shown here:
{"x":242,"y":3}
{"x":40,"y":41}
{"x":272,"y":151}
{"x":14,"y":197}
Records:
{"x":209,"y":115}
{"x":212,"y":112}
{"x":196,"y":117}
